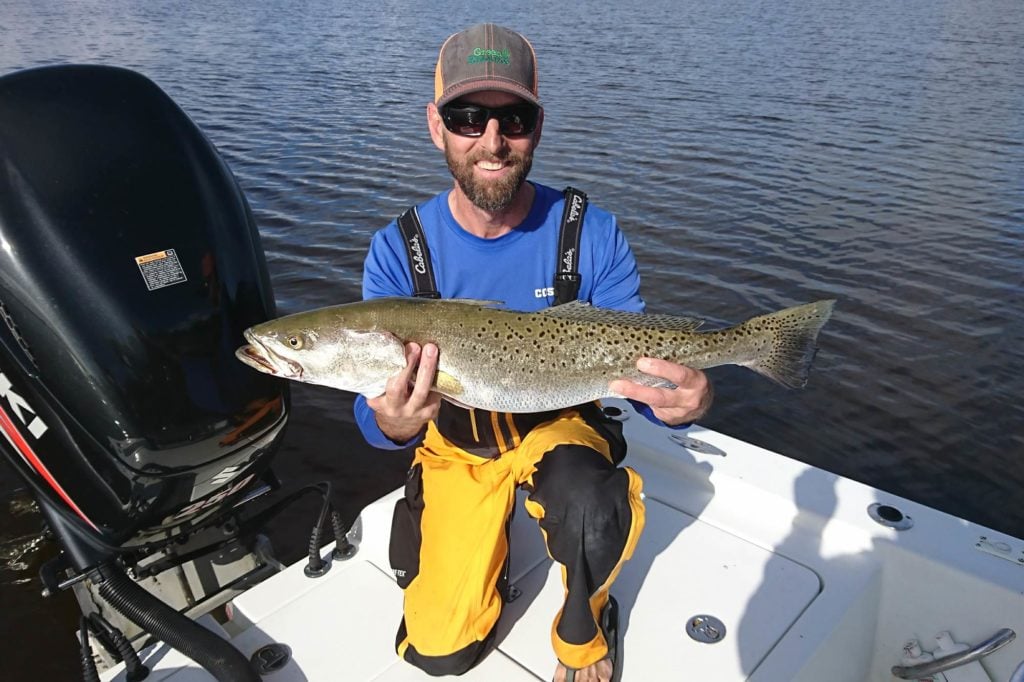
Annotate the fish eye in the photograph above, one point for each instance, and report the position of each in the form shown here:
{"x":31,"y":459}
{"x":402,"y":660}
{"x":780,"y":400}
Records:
{"x":295,"y":342}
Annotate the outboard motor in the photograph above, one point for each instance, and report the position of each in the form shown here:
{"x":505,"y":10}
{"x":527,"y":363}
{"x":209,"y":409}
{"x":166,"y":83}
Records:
{"x":130,"y":264}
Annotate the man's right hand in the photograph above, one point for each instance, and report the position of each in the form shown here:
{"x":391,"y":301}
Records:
{"x":406,"y":405}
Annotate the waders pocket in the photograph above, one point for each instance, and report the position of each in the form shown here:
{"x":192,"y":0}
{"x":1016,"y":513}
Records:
{"x":406,"y":537}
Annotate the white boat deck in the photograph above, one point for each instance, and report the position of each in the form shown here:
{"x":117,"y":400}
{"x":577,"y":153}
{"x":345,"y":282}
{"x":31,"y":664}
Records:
{"x":785,"y":555}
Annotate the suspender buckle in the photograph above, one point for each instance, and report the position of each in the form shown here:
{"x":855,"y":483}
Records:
{"x":567,"y":287}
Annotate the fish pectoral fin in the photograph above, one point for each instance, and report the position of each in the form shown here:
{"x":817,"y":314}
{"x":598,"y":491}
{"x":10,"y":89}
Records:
{"x":448,"y":385}
{"x":584,"y":312}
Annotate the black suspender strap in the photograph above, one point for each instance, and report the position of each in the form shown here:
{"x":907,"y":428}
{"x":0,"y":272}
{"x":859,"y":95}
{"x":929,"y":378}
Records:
{"x":423,"y":282}
{"x":567,"y":276}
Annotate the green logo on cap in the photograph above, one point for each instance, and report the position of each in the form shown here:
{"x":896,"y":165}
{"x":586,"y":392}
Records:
{"x":482,"y":55}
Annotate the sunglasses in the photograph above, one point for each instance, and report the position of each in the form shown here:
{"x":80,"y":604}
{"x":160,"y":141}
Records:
{"x":470,"y":120}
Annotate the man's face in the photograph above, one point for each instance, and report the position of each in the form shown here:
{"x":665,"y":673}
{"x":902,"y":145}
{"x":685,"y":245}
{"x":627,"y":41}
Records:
{"x":489,"y":169}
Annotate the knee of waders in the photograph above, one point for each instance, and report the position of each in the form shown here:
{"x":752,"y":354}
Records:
{"x":585,"y":498}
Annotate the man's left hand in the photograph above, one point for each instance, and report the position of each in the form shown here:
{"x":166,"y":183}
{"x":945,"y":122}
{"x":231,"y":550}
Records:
{"x":688,"y":401}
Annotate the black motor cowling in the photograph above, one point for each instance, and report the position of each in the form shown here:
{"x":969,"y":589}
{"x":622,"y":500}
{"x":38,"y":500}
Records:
{"x":130,"y":264}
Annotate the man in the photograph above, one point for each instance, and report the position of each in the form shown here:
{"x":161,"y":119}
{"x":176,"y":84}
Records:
{"x":495,"y":236}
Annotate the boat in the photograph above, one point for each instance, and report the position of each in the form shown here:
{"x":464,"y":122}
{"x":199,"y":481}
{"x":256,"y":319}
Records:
{"x":130,"y":263}
{"x":753,"y":566}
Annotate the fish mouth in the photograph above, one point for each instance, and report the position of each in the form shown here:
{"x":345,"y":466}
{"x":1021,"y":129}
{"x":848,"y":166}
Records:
{"x":252,"y":356}
{"x":261,"y":358}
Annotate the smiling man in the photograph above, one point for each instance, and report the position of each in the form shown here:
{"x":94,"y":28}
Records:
{"x":496,"y":236}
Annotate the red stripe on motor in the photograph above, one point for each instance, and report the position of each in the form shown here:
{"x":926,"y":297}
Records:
{"x":30,"y":456}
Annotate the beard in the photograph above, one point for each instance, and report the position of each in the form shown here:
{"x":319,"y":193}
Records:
{"x":494,"y":196}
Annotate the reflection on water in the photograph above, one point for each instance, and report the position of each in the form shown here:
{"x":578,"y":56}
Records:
{"x":757,"y":154}
{"x":36,"y":634}
{"x":17,"y":550}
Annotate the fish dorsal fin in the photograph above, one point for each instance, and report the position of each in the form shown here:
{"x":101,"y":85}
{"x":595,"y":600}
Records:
{"x":475,"y":301}
{"x":584,"y":312}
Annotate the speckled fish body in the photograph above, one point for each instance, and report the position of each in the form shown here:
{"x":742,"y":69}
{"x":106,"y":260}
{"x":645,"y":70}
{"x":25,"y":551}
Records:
{"x":512,"y":361}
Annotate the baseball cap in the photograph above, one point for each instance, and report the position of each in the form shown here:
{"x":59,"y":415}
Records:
{"x":485,"y":57}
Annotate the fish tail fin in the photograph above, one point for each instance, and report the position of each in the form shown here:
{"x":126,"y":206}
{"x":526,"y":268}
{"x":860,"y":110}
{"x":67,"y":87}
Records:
{"x":794,"y":334}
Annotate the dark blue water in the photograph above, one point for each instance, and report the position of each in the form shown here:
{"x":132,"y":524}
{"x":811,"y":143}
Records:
{"x":758,"y":154}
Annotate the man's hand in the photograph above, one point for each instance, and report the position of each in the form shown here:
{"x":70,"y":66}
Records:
{"x":688,"y":401}
{"x":406,"y":406}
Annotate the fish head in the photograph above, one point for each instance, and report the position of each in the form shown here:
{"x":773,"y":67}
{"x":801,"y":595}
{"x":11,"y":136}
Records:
{"x":314,"y":350}
{"x":276,"y":352}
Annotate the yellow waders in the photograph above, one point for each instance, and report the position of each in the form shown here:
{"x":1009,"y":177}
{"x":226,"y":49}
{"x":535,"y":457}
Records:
{"x":449,"y":541}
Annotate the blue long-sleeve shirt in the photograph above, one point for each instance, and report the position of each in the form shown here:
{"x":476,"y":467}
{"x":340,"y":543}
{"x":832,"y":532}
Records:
{"x":517,"y":268}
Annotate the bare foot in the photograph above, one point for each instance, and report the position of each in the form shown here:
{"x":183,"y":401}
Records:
{"x":599,"y":672}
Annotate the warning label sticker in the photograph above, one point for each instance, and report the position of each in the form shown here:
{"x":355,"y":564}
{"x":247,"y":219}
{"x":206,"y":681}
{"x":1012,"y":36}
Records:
{"x":161,"y":269}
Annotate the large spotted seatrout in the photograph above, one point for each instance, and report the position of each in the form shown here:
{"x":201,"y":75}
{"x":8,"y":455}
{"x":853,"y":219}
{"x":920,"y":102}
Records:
{"x":521,"y":362}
